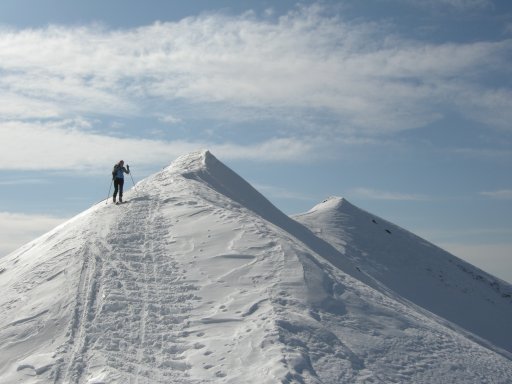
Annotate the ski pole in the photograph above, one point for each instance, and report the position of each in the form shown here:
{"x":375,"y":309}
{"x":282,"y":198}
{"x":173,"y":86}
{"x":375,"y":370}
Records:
{"x":109,"y":188}
{"x":132,"y":177}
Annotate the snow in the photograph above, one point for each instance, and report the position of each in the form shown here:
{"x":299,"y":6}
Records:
{"x":417,"y":270}
{"x":198,"y":278}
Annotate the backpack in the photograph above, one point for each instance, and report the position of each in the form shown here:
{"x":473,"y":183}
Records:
{"x":114,"y":171}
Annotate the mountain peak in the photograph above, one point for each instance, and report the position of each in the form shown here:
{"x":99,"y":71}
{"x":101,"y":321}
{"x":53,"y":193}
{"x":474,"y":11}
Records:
{"x":331,"y":203}
{"x":193,"y":162}
{"x":415,"y":269}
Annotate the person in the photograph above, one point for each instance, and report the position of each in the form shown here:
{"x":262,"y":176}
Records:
{"x":118,"y":177}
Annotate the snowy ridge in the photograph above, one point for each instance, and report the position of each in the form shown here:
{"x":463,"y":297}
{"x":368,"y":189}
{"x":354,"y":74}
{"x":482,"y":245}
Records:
{"x":417,"y":270}
{"x":205,"y":168}
{"x":198,"y":278}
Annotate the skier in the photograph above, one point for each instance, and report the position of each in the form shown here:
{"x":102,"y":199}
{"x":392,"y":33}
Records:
{"x":118,"y":177}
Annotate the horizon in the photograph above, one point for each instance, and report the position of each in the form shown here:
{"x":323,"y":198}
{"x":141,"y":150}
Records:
{"x":403,"y":107}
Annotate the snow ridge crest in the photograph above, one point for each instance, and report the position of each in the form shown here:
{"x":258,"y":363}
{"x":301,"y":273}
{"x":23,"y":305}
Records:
{"x":331,"y":203}
{"x":193,"y":162}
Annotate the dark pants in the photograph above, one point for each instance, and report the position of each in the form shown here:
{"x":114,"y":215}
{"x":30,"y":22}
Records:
{"x":118,"y":186}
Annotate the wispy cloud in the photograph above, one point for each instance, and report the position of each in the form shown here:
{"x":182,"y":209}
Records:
{"x":65,"y":145}
{"x":370,"y":81}
{"x":24,"y":181}
{"x":502,"y":194}
{"x":374,"y":194}
{"x":470,"y":235}
{"x":484,"y":152}
{"x":281,"y":193}
{"x":317,"y":78}
{"x":169,"y":119}
{"x":459,"y":5}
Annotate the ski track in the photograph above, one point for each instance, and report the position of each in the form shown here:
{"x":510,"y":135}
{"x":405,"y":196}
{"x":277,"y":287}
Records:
{"x":132,"y":303}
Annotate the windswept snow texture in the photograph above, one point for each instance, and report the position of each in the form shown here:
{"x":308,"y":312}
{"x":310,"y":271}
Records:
{"x":199,"y":279}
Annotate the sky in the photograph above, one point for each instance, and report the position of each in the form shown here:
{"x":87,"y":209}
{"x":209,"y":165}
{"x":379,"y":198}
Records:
{"x":403,"y":107}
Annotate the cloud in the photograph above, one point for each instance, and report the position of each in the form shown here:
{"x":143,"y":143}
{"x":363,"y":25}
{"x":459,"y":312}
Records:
{"x":468,"y":236}
{"x":281,"y":193}
{"x":273,"y":150}
{"x":484,"y":153}
{"x":366,"y":78}
{"x":15,"y":106}
{"x":17,"y":229}
{"x":66,"y":145}
{"x":385,"y":195}
{"x":169,"y":119}
{"x":502,"y":194}
{"x":459,"y":5}
{"x":24,"y":181}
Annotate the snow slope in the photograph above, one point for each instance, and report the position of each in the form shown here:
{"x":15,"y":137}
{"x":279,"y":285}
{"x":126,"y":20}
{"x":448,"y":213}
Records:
{"x":199,"y":279}
{"x":417,"y":270}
